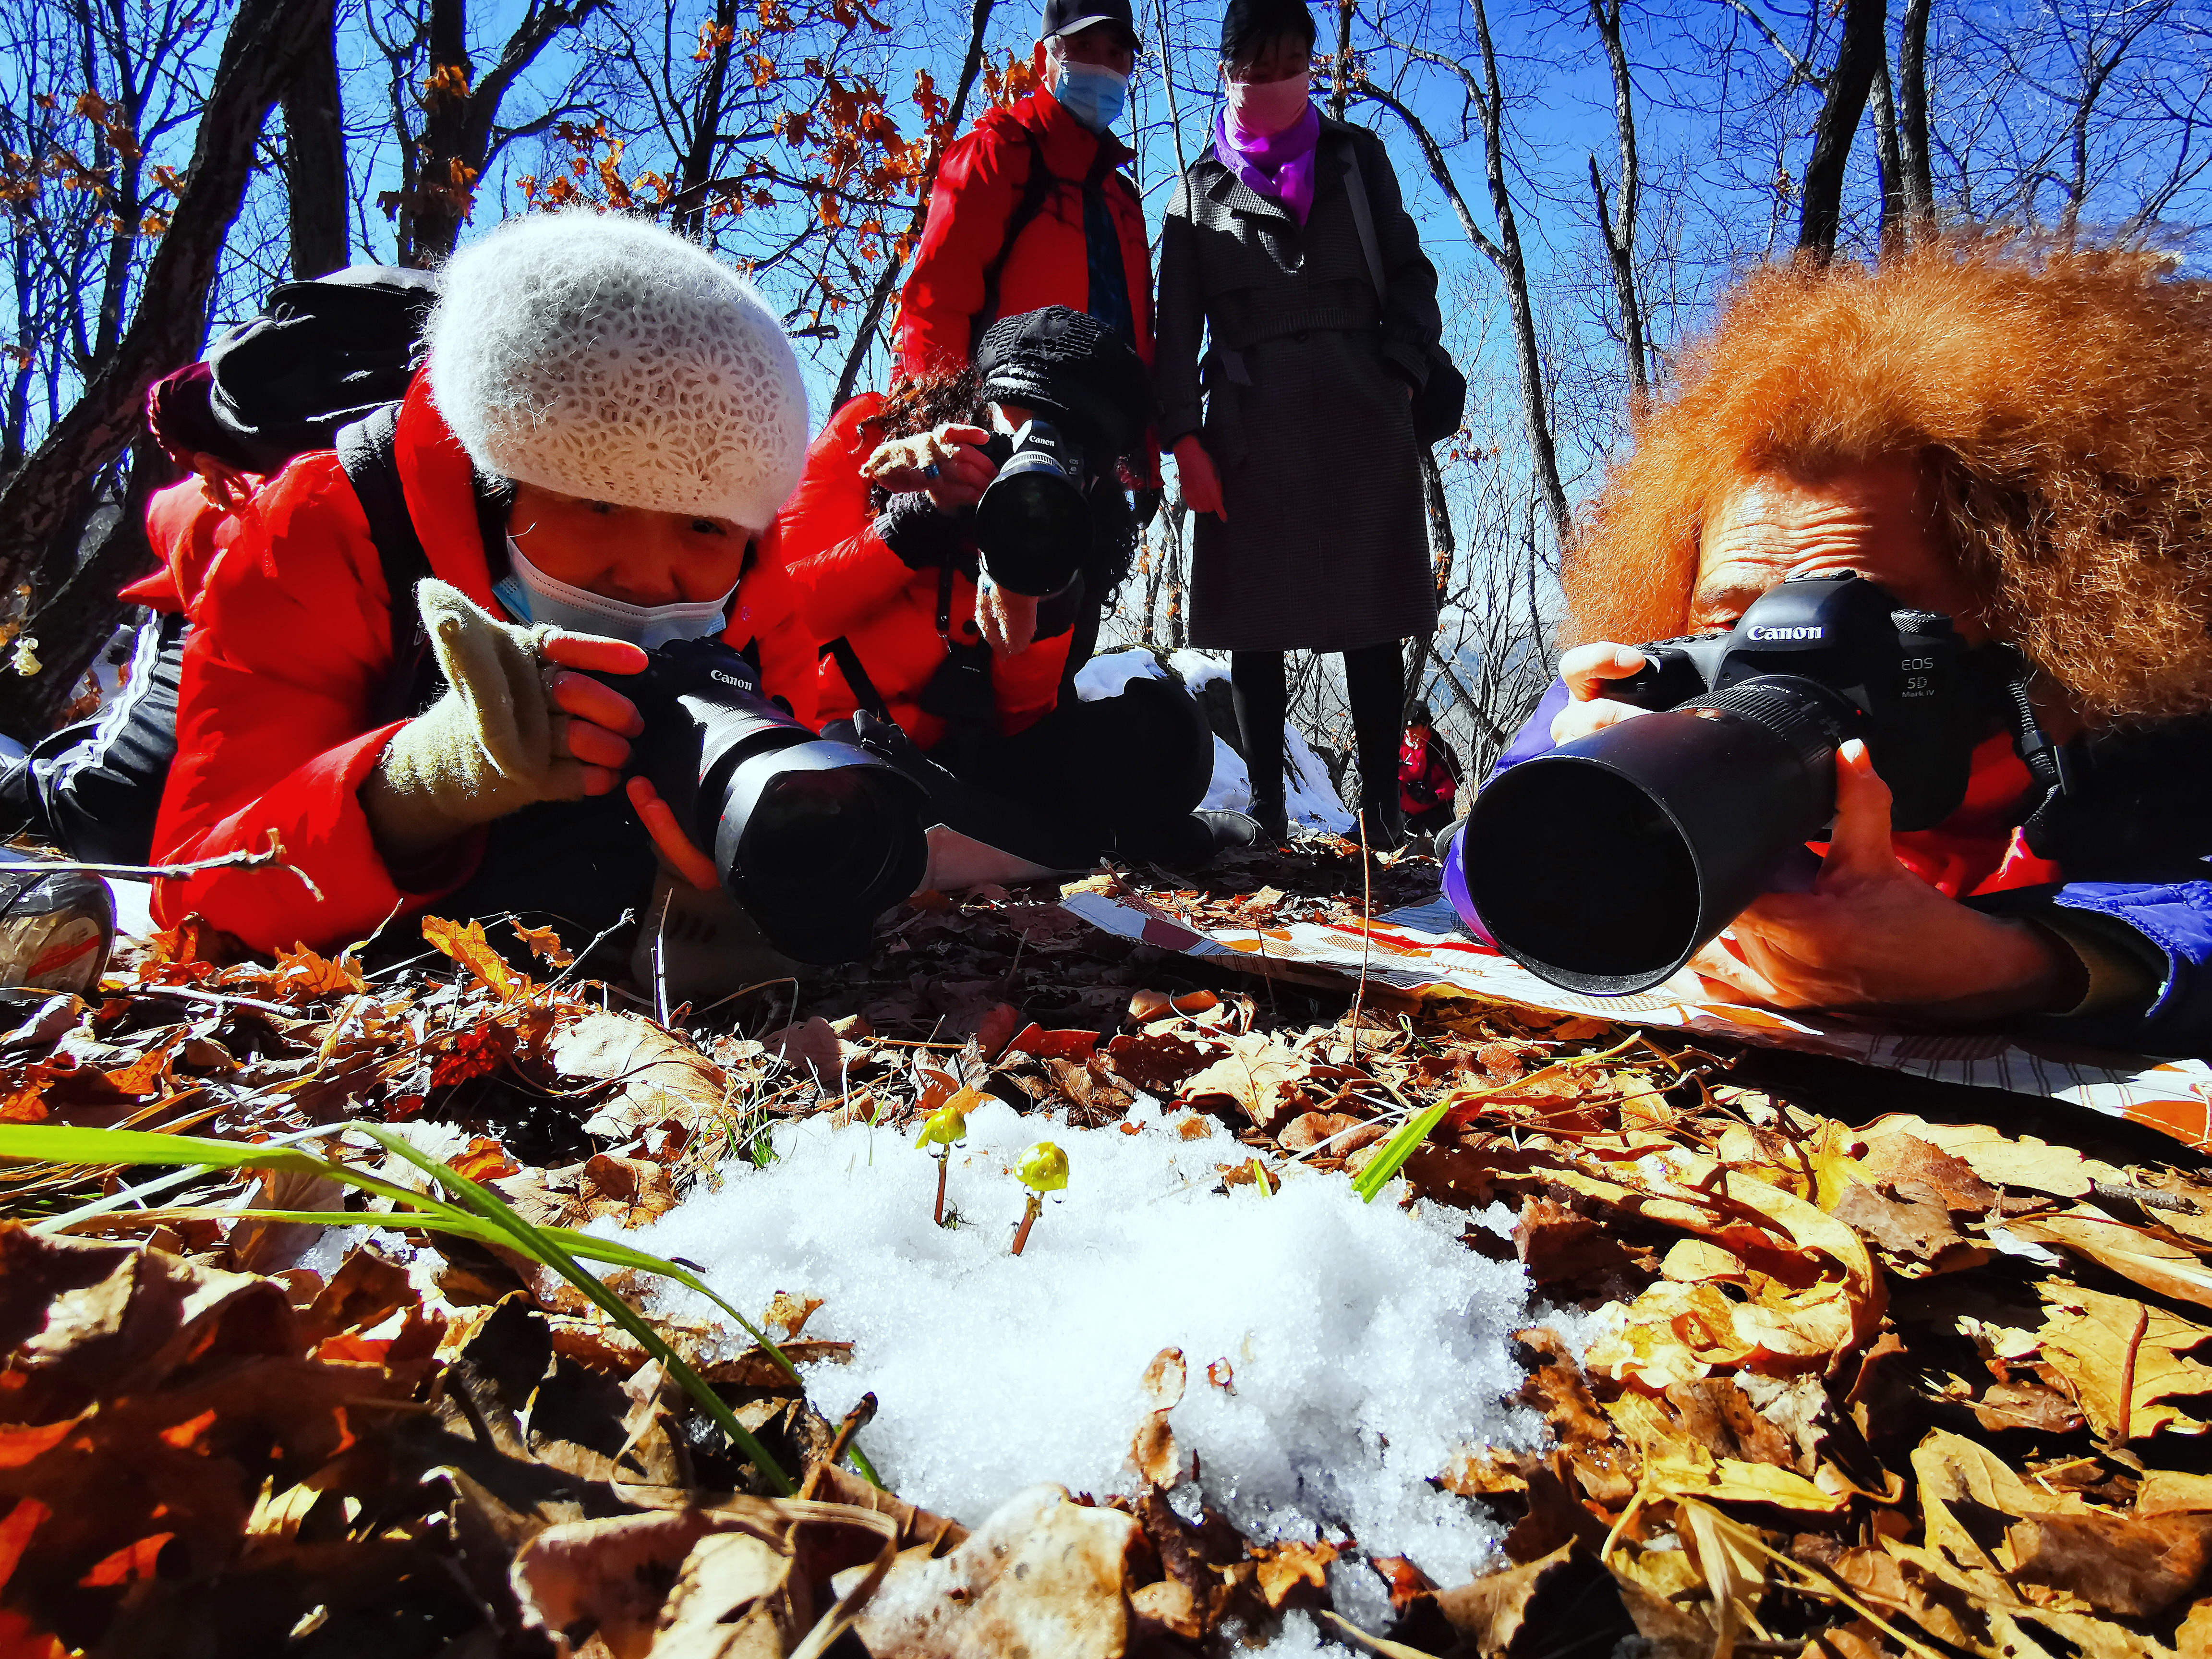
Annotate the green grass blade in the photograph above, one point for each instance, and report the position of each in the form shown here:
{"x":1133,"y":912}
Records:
{"x":1396,"y":1150}
{"x":541,"y":1245}
{"x":481,"y":1214}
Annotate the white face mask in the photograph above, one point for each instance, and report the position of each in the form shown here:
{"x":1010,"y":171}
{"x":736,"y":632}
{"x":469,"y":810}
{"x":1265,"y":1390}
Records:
{"x":532,"y":596}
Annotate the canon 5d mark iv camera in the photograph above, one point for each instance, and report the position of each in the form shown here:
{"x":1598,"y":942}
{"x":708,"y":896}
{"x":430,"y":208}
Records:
{"x":814,"y":838}
{"x":1605,"y":864}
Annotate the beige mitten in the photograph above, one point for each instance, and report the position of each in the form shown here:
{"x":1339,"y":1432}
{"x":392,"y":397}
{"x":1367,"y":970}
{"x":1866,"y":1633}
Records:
{"x":492,"y":743}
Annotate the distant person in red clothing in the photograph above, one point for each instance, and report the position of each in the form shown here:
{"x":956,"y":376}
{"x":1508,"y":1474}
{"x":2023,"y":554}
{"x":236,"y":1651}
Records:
{"x":1428,"y":774}
{"x":957,"y":659}
{"x":1031,"y":208}
{"x":592,"y":463}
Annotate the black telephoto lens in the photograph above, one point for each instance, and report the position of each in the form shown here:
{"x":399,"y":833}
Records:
{"x":1604,"y":864}
{"x":1033,"y":525}
{"x":814,"y":838}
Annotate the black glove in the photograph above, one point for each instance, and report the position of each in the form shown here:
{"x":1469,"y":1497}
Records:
{"x":924,"y":538}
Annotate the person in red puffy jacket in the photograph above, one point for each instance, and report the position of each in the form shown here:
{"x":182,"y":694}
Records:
{"x":1428,"y":774}
{"x":577,"y":497}
{"x":1031,"y":208}
{"x":954,"y":647}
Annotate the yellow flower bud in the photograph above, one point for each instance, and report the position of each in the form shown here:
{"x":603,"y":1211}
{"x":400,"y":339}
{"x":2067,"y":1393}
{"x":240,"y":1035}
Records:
{"x":944,"y":1126}
{"x":1043,"y":1168}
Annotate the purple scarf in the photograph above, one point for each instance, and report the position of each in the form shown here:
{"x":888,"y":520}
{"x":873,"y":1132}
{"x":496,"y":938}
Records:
{"x":1280,"y":168}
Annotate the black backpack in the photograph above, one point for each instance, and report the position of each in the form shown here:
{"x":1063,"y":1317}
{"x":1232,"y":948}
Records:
{"x":320,"y":356}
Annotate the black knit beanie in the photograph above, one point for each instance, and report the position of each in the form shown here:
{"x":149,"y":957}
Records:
{"x":1072,"y":366}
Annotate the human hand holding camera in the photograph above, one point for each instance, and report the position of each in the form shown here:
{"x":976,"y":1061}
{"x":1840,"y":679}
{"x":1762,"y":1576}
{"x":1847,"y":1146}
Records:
{"x":1872,"y":936}
{"x":1586,"y":669}
{"x":522,"y":719}
{"x":947,"y":463}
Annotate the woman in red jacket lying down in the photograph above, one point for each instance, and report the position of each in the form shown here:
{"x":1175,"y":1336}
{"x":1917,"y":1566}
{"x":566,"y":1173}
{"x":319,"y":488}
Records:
{"x":953,"y":637}
{"x":592,"y":461}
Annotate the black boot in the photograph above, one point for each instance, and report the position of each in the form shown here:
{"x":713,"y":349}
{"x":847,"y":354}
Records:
{"x":1273,"y":821}
{"x":1385,"y":825}
{"x":1231,"y":830}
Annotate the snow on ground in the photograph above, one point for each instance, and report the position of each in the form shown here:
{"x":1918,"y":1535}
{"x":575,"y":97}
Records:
{"x":1307,"y":795}
{"x":1108,"y":675}
{"x":1360,"y":1346}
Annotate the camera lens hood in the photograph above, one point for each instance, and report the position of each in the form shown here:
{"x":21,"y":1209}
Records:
{"x":1604,"y":864}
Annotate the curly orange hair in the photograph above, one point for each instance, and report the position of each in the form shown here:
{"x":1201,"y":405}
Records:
{"x":2062,"y":403}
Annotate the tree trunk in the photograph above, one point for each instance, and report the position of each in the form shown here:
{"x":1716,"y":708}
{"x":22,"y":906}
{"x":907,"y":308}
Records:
{"x":1896,"y":227}
{"x":47,"y":497}
{"x":1504,"y":254}
{"x":315,"y":183}
{"x":1917,"y":166}
{"x":864,"y":337}
{"x":1620,"y":232}
{"x":697,"y":168}
{"x":445,"y":184}
{"x":79,"y":617}
{"x":1858,"y":58}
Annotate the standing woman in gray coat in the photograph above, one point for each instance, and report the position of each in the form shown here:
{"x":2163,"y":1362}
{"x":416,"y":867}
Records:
{"x":1293,"y":432}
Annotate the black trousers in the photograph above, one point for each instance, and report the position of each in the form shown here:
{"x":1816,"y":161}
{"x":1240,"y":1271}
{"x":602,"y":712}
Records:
{"x":93,"y":789}
{"x":1121,"y":774}
{"x":1374,"y":678}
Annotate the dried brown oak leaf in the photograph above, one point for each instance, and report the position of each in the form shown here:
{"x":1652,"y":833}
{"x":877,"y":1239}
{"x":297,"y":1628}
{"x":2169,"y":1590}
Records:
{"x":1158,"y":1061}
{"x":2088,"y":1339}
{"x":1556,"y":1244}
{"x":1153,"y":1450}
{"x":1829,"y":1303}
{"x":1257,"y":1073}
{"x":1971,"y":1500}
{"x":1915,"y":1236}
{"x":657,"y":1077}
{"x":2157,"y":1264}
{"x":741,"y":1579}
{"x":1041,"y":1574}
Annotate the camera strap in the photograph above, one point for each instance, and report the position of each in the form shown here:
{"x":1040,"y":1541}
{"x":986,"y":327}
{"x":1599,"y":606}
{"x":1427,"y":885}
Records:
{"x":865,"y":695}
{"x":2049,"y":763}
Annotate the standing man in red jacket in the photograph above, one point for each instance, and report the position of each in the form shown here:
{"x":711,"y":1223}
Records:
{"x":1031,"y":208}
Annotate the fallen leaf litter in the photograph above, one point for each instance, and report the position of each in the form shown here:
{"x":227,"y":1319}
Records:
{"x":1787,"y":1384}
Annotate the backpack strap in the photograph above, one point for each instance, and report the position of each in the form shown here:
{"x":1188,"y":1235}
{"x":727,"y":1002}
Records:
{"x":1356,"y":187}
{"x":366,"y":449}
{"x":1035,"y":189}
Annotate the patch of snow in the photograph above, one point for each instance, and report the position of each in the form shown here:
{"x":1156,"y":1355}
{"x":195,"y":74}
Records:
{"x":1231,"y":788}
{"x":1307,"y":795}
{"x":133,"y":907}
{"x":1109,"y":676}
{"x":1198,"y":669}
{"x":1363,"y":1345}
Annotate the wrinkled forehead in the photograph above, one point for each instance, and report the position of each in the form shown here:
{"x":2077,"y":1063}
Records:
{"x":1873,"y":516}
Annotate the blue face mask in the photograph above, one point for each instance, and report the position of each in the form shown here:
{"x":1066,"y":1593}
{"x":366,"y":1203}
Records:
{"x":1092,"y":93}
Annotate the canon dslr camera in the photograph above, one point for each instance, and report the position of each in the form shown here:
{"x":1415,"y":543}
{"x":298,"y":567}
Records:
{"x":814,"y":838}
{"x":1033,"y":525}
{"x":1604,"y":864}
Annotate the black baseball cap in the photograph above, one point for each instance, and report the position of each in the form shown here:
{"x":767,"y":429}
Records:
{"x":1066,"y":16}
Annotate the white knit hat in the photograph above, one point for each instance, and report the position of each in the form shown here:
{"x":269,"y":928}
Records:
{"x":608,"y":359}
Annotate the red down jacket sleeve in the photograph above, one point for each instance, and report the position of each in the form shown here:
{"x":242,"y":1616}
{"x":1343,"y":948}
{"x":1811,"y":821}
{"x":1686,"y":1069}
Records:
{"x":978,"y":183}
{"x":275,"y":730}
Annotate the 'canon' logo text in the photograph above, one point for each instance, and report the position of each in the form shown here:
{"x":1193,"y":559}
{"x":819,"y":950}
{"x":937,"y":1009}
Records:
{"x":1787,"y":632}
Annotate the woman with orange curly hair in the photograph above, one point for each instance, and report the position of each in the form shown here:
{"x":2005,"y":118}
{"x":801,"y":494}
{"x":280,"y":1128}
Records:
{"x":2022,"y":440}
